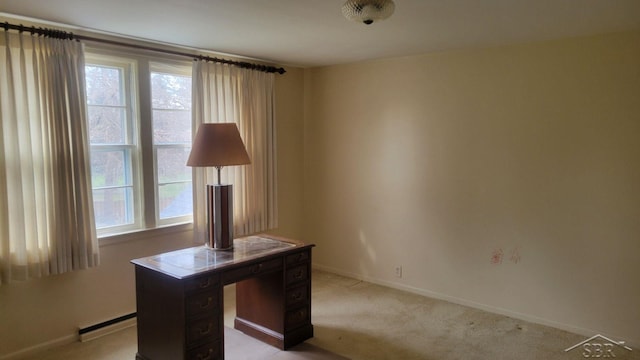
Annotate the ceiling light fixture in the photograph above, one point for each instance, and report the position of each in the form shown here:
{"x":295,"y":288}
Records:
{"x":368,"y":11}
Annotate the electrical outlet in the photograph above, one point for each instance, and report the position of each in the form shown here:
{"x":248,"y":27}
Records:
{"x":398,"y":271}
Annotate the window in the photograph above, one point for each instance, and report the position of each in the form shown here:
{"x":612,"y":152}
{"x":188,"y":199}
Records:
{"x":140,"y":132}
{"x":114,"y":149}
{"x":171,"y":112}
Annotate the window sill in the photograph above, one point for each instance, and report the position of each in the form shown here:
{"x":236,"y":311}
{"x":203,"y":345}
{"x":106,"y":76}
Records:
{"x":143,"y":234}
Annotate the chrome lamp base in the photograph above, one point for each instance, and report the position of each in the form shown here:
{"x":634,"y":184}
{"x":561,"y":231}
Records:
{"x":220,"y":217}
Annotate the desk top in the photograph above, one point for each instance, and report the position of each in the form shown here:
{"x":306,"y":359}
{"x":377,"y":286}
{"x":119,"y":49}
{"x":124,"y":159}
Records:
{"x":192,"y":261}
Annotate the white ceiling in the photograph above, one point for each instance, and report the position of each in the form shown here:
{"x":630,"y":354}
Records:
{"x":314,"y":33}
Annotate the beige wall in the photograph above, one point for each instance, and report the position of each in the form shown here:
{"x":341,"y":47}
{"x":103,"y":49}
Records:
{"x":53,"y":309}
{"x":289,"y":117}
{"x":49,"y":311}
{"x":438,"y":163}
{"x":434,"y":163}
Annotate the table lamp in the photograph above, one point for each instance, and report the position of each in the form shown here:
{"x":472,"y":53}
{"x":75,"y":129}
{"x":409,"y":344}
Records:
{"x":218,"y":145}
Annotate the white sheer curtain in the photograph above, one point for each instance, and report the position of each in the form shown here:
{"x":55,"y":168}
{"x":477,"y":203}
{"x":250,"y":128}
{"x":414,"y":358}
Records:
{"x":224,"y":93}
{"x":46,"y":212}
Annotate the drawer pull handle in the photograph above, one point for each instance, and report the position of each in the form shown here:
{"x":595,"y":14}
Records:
{"x":205,"y":284}
{"x":298,"y":274}
{"x":207,"y":356}
{"x":207,"y":330}
{"x":300,"y":314}
{"x":207,"y":304}
{"x":256,"y":269}
{"x":301,"y":257}
{"x":297,"y":296}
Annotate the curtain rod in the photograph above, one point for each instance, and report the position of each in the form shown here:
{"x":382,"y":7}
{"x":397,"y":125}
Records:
{"x":59,"y":34}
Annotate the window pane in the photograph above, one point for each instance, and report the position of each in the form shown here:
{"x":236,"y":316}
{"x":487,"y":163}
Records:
{"x":104,"y":85}
{"x":170,"y":91}
{"x":171,"y":119}
{"x":109,"y":168}
{"x":171,"y":127}
{"x":175,"y":200}
{"x":107,"y":125}
{"x":113,"y":207}
{"x":172,"y":164}
{"x":113,"y":119}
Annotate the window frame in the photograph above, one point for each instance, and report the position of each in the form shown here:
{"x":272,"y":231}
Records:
{"x":170,"y":68}
{"x":147,"y":217}
{"x":132,"y":142}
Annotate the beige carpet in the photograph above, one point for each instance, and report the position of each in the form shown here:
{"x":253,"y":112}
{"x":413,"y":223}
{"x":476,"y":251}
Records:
{"x":241,"y":347}
{"x":359,"y":320}
{"x":122,"y":346}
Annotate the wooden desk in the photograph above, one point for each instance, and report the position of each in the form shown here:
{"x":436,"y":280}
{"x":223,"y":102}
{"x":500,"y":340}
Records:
{"x":179,"y":297}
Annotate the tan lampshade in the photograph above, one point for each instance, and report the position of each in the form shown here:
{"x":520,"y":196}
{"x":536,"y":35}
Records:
{"x":218,"y":145}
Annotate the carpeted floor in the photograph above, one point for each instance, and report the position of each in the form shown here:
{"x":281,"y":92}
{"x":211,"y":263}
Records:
{"x":364,"y":321}
{"x":358,"y":320}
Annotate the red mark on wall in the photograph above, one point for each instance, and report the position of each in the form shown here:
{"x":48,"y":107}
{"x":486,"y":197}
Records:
{"x":496,"y":257}
{"x":499,"y":254}
{"x":515,"y":255}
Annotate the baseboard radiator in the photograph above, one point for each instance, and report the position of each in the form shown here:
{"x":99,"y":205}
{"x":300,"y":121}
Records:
{"x":107,"y":327}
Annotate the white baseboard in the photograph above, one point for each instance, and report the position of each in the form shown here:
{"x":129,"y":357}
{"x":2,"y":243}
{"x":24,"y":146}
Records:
{"x":634,"y":343}
{"x":41,"y":347}
{"x":33,"y":350}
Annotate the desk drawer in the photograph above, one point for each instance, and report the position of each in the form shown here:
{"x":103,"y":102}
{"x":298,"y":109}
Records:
{"x":297,"y":274}
{"x":201,"y":283}
{"x":251,"y":270}
{"x":201,"y":303}
{"x":297,"y":317}
{"x":209,"y":351}
{"x":297,"y":295}
{"x":302,"y":256}
{"x":206,"y":328}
